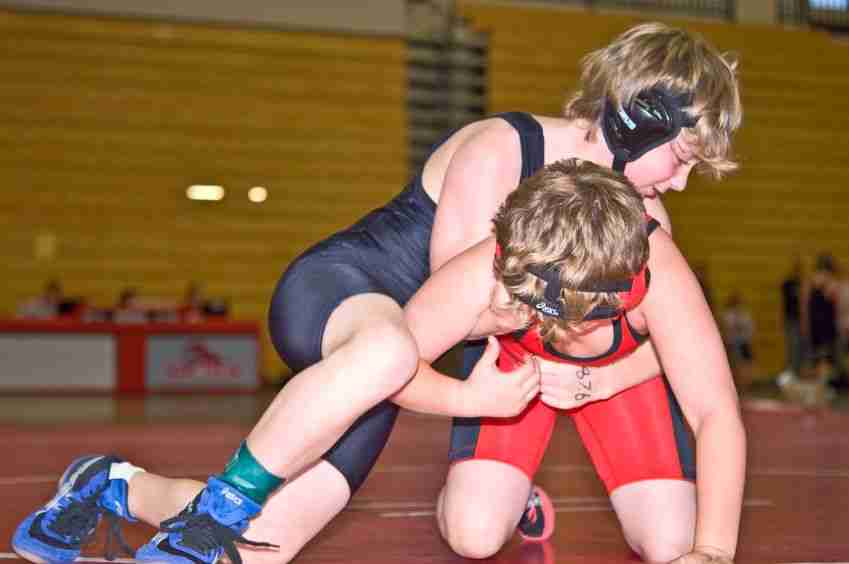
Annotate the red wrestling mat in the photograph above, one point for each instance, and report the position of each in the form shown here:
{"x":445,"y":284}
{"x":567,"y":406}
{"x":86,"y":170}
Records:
{"x":797,"y":496}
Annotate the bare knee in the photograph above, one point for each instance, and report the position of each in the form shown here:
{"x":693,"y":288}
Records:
{"x":393,"y":353}
{"x":658,"y":517}
{"x":472,"y":532}
{"x":662,"y":546}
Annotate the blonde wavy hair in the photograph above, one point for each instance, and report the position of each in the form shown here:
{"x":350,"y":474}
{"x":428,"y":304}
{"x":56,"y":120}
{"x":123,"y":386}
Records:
{"x":583,"y":219}
{"x":655,"y":54}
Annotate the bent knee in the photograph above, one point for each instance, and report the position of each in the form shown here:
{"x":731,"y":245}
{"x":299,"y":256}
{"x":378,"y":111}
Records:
{"x":474,"y":534}
{"x":389,"y":351}
{"x":662,"y":547}
{"x":474,"y":541}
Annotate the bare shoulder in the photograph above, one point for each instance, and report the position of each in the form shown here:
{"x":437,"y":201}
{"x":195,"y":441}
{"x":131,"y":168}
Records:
{"x":490,"y":135}
{"x":489,"y":145}
{"x":669,"y":268}
{"x":656,"y":209}
{"x":661,"y":246}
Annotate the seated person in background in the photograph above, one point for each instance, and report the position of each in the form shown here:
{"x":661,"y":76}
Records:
{"x":218,"y":308}
{"x":129,"y":308}
{"x":190,"y":310}
{"x":49,"y":305}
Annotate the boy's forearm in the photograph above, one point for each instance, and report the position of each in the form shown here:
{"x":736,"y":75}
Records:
{"x":433,"y":392}
{"x":636,"y":368}
{"x":721,"y":469}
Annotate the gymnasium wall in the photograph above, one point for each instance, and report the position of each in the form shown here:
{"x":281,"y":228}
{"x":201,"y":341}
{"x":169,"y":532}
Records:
{"x":386,"y":17}
{"x":106,"y":121}
{"x":788,"y":199}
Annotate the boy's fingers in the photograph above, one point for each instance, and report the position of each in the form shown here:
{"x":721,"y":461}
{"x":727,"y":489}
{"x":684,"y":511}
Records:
{"x":490,"y":353}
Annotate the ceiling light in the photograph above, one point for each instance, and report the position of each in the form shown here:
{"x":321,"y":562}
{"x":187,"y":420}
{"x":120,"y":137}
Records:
{"x":207,"y":192}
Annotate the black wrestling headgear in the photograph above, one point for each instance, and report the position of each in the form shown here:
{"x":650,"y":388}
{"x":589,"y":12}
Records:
{"x":653,"y":117}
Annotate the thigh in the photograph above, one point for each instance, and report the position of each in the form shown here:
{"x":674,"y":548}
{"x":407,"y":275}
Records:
{"x":639,"y":434}
{"x":305,"y":299}
{"x":518,"y":441}
{"x":325,"y":299}
{"x":296,"y":513}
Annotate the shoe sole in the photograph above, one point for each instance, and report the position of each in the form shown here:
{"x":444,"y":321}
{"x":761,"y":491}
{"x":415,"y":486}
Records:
{"x":33,"y":558}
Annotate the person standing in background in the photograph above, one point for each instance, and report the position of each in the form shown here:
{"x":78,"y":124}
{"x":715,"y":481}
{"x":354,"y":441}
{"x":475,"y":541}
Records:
{"x":819,"y":316}
{"x":738,"y":328}
{"x":840,"y":379}
{"x":791,"y":288}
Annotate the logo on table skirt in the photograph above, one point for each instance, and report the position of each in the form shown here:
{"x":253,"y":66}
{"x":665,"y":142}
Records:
{"x":198,"y":361}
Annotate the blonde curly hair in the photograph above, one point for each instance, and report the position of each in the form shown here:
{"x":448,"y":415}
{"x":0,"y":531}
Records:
{"x":655,"y":54}
{"x":583,"y":220}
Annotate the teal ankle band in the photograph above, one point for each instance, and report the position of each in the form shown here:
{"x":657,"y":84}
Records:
{"x":246,"y":474}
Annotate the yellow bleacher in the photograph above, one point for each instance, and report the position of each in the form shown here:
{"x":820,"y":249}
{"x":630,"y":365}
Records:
{"x":790,"y":195}
{"x":107,"y":121}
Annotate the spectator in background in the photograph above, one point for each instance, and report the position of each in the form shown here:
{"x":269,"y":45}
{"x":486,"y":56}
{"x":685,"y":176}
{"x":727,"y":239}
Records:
{"x":791,"y":288}
{"x":191,"y":308}
{"x":45,"y":306}
{"x":819,"y":304}
{"x":819,"y":315}
{"x":218,"y":308}
{"x":738,"y":328}
{"x":128,"y":309}
{"x":840,"y":379}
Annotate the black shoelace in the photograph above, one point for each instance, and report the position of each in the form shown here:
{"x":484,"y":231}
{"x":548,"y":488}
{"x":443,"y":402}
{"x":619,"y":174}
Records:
{"x":79,"y":519}
{"x":202,"y":533}
{"x":114,"y":532}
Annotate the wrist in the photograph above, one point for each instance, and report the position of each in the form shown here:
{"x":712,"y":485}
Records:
{"x":465,"y":400}
{"x":601,"y":385}
{"x":714,"y":551}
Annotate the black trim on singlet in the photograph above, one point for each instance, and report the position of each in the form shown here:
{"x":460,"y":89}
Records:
{"x":639,"y":337}
{"x":651,"y":226}
{"x":683,"y":440}
{"x":531,"y":139}
{"x":617,"y":340}
{"x":643,"y":337}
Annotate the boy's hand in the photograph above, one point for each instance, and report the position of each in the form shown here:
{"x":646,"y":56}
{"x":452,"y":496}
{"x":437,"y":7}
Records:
{"x":501,"y":394}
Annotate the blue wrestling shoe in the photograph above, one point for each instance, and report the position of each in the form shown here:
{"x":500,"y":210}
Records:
{"x":88,"y":490}
{"x":208,"y":527}
{"x":537,"y":522}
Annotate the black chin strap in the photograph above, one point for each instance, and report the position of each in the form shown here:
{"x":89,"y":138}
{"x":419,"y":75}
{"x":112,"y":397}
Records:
{"x":619,"y":163}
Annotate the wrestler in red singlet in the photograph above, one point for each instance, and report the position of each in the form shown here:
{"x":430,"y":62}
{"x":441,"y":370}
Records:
{"x":638,"y":434}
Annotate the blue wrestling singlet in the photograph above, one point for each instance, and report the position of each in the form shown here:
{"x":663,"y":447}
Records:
{"x":386,"y":252}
